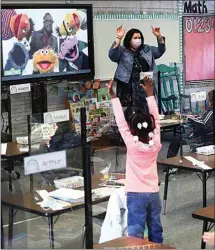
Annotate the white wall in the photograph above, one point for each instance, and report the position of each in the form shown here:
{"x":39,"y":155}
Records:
{"x":105,"y":33}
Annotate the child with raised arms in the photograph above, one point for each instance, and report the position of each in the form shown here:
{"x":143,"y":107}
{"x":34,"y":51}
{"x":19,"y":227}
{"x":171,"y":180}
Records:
{"x":141,"y":134}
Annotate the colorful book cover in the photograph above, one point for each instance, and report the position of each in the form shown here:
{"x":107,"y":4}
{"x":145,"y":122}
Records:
{"x":103,"y":95}
{"x":74,"y":97}
{"x":91,"y":103}
{"x":76,"y":108}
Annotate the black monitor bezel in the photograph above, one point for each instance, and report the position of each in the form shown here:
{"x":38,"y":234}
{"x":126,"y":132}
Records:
{"x":72,"y":77}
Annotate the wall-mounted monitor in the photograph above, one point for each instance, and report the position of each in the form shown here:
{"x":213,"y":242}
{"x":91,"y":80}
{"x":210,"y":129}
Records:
{"x":46,"y":42}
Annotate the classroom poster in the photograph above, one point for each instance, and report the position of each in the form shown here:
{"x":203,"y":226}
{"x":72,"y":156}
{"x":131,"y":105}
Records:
{"x":199,"y":47}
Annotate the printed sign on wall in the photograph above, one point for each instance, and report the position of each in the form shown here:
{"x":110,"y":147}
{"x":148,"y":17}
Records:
{"x":199,"y":47}
{"x":198,"y":96}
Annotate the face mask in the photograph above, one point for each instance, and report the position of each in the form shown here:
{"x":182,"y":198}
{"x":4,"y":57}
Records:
{"x":136,"y":43}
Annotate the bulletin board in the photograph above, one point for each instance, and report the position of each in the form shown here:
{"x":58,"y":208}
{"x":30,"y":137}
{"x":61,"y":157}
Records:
{"x":198,"y":36}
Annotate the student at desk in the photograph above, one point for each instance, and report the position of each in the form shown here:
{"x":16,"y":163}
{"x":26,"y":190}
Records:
{"x":65,"y":138}
{"x":202,"y":126}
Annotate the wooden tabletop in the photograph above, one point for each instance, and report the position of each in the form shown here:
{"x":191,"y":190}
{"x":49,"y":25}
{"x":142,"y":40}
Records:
{"x":205,"y":213}
{"x":174,"y":162}
{"x":131,"y":243}
{"x":27,"y":201}
{"x":13,"y":150}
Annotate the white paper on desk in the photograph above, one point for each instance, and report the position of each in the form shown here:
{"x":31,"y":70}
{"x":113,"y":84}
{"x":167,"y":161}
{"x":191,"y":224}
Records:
{"x":197,"y":163}
{"x":43,"y":194}
{"x":3,"y":148}
{"x":51,"y":203}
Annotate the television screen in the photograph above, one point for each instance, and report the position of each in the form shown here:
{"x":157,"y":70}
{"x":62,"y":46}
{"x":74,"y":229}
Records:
{"x":46,"y":42}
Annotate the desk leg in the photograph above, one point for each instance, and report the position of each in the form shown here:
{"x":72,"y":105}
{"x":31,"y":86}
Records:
{"x":31,"y":183}
{"x":51,"y":232}
{"x":2,"y":231}
{"x":10,"y":227}
{"x":204,"y":182}
{"x":205,"y":226}
{"x":165,"y":189}
{"x":10,"y":169}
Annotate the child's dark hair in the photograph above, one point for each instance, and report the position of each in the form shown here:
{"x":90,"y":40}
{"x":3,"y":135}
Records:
{"x":211,"y":96}
{"x":135,"y":116}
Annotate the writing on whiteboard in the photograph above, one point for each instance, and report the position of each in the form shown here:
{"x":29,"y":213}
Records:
{"x":199,"y":24}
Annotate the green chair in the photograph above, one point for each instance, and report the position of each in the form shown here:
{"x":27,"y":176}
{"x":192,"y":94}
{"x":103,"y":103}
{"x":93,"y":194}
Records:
{"x":171,"y":93}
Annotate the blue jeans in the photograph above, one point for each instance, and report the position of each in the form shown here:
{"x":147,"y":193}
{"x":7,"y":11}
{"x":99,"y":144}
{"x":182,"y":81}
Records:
{"x":144,"y":208}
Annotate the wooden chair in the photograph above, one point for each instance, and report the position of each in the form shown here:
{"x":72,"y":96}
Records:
{"x":171,"y":92}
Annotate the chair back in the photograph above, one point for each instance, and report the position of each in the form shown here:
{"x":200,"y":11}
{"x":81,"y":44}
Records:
{"x":171,"y":93}
{"x":170,"y":88}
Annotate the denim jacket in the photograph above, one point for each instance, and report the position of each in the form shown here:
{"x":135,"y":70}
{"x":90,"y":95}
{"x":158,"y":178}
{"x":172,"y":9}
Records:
{"x":124,"y":58}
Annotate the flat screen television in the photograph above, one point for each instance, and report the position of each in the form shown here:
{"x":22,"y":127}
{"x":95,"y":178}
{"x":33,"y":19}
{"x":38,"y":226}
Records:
{"x":46,"y":42}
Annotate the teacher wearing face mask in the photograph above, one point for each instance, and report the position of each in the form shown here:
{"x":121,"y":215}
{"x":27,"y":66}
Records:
{"x":132,"y":58}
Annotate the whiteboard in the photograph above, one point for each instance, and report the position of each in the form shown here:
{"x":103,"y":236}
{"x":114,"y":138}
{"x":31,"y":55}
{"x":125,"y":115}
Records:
{"x":105,"y":34}
{"x":199,"y":49}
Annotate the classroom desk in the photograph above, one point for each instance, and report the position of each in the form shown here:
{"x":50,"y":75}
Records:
{"x":207,"y":214}
{"x":128,"y":242}
{"x":173,"y":123}
{"x":26,"y":202}
{"x":182,"y":163}
{"x":13,"y":153}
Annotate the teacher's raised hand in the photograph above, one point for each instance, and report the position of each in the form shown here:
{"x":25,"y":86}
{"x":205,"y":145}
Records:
{"x":120,"y":32}
{"x":156,"y":31}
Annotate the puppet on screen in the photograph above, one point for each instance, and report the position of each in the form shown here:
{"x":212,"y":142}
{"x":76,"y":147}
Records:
{"x":19,"y":26}
{"x":71,"y":56}
{"x":17,"y":60}
{"x":45,"y":60}
{"x":72,"y":23}
{"x":16,"y":25}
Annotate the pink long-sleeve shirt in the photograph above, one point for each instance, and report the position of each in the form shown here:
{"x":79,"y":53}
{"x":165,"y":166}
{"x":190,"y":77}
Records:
{"x":141,"y":162}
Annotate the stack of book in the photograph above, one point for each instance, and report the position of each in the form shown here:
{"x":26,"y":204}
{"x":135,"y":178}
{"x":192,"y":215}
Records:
{"x":68,"y":195}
